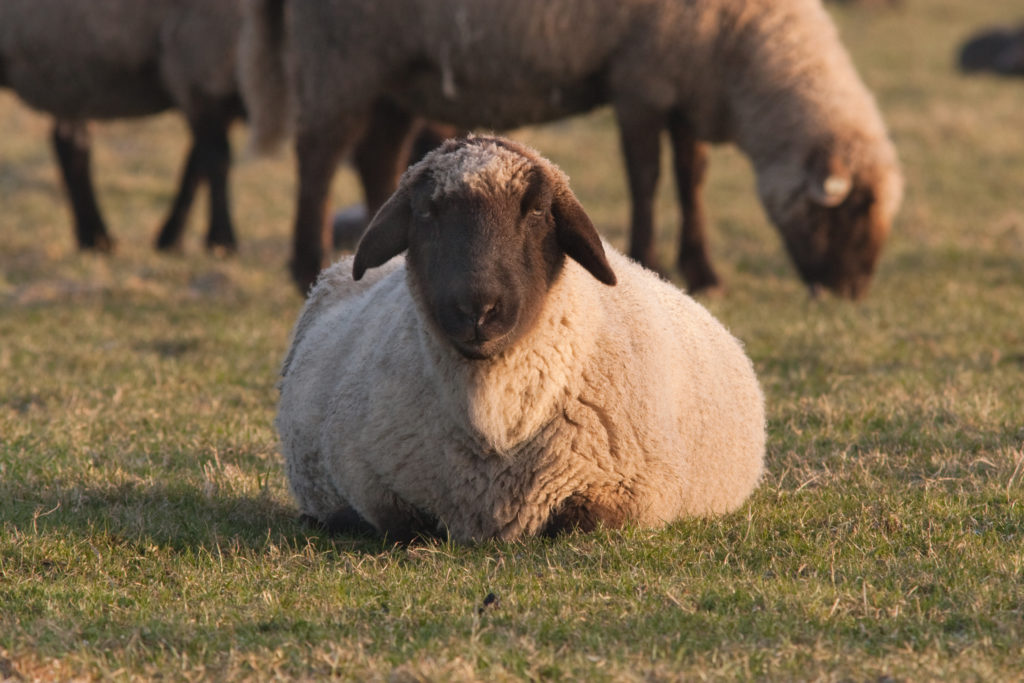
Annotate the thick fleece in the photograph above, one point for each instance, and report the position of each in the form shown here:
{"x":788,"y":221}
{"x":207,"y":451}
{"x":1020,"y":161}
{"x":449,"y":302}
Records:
{"x":770,"y":75}
{"x":117,"y":58}
{"x":632,"y":398}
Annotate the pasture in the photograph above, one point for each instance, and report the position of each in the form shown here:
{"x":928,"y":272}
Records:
{"x":146,"y":528}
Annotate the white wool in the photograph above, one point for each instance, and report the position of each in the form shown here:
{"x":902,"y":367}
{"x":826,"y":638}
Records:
{"x":630,"y":402}
{"x":633,"y":395}
{"x":480,"y":168}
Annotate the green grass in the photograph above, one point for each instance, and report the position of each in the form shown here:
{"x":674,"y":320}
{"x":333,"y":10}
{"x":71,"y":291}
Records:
{"x":146,"y":528}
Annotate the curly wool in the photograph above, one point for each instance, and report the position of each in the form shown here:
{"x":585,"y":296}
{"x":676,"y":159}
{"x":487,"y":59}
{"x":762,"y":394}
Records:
{"x":633,"y":395}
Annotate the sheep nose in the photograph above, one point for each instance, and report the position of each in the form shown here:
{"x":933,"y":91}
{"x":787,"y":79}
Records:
{"x":480,"y":313}
{"x":487,"y":312}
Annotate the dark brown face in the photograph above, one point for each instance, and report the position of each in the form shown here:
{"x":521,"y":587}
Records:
{"x":483,"y":265}
{"x":835,"y":247}
{"x":484,"y":252}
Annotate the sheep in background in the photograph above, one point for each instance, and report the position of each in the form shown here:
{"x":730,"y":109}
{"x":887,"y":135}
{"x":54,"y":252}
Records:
{"x":103,"y":59}
{"x":998,"y":50}
{"x":489,"y":386}
{"x":770,"y":75}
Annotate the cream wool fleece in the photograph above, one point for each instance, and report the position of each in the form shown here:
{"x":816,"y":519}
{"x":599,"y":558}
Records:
{"x":633,"y":397}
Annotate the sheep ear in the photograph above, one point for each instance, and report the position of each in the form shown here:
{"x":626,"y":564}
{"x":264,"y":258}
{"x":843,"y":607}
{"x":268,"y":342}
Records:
{"x":386,"y":236}
{"x":578,"y":238}
{"x":828,"y":180}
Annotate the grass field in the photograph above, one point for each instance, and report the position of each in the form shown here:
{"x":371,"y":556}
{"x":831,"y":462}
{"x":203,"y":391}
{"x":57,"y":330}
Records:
{"x":146,"y":529}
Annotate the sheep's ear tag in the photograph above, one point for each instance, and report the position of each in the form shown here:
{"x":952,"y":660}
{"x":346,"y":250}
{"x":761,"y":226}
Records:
{"x":386,"y":236}
{"x":579,"y":239}
{"x":829,"y":183}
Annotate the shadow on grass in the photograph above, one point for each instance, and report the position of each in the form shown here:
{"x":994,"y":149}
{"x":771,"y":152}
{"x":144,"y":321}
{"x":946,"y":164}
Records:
{"x":175,"y":516}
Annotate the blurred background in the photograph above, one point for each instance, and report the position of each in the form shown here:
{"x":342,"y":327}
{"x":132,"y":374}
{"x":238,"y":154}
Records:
{"x":958,"y":138}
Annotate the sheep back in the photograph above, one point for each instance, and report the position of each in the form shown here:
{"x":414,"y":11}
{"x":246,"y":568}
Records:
{"x":624,"y":404}
{"x":117,"y":58}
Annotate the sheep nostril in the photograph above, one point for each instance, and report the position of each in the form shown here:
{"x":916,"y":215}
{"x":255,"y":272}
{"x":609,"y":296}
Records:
{"x":474,"y":320}
{"x":487,"y":313}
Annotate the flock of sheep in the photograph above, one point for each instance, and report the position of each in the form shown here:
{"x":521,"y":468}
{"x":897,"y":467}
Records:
{"x":485,"y":365}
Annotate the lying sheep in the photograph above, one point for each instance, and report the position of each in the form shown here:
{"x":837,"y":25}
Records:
{"x":104,"y":59}
{"x":998,"y":50}
{"x":770,"y":75}
{"x":488,"y":386}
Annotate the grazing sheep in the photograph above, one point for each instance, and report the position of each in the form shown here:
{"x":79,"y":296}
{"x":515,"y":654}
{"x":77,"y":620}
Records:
{"x":489,"y":386}
{"x":999,"y":50}
{"x":770,"y":75}
{"x":104,"y":59}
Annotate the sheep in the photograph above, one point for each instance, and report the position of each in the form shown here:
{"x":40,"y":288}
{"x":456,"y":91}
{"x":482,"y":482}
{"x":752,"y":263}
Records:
{"x":486,"y":386}
{"x":81,"y":61}
{"x":769,"y":75}
{"x":998,"y":50}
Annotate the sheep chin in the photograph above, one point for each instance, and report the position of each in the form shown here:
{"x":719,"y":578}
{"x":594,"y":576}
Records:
{"x":482,"y":350}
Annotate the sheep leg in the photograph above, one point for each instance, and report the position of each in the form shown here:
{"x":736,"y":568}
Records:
{"x":71,"y":142}
{"x":383,"y":152}
{"x":209,"y":159}
{"x":318,"y":151}
{"x":344,"y":521}
{"x":173,"y":227}
{"x":220,"y":236}
{"x":690,"y":159}
{"x":400,"y":526}
{"x":640,"y":136}
{"x":580,"y":513}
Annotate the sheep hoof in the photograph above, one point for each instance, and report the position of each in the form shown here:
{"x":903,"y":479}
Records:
{"x":700,"y":277}
{"x":100,"y":244}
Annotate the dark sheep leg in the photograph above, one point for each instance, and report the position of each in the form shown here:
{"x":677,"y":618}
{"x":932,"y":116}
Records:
{"x":399,"y":526}
{"x":318,"y":151}
{"x":216,"y":162}
{"x":174,"y":226}
{"x":71,"y":142}
{"x":383,"y":152}
{"x":640,"y":135}
{"x":690,"y":159}
{"x":208,"y":160}
{"x":580,"y":513}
